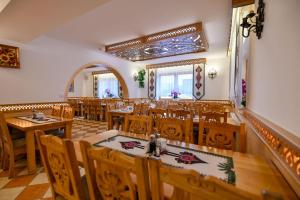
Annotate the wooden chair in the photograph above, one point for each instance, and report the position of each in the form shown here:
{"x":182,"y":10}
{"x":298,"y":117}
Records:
{"x":137,"y":109}
{"x":190,"y":185}
{"x":155,"y":114}
{"x":175,"y":129}
{"x":56,"y":111}
{"x":61,"y":166}
{"x":222,"y":135}
{"x":110,"y":174}
{"x":214,"y":116}
{"x":145,"y":109}
{"x":214,"y":107}
{"x":75,"y":105}
{"x":179,"y":113}
{"x":138,"y":124}
{"x":10,"y":148}
{"x":68,"y":112}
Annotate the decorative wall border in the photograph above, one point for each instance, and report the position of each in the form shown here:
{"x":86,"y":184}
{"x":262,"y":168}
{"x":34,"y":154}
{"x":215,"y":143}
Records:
{"x":282,"y":144}
{"x":101,"y":72}
{"x":177,"y":63}
{"x":29,"y":106}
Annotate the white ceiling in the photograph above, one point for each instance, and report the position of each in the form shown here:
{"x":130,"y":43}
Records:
{"x":24,"y":20}
{"x":115,"y":21}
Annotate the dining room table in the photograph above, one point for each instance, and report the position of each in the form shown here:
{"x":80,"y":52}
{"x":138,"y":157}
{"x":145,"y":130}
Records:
{"x":244,"y":171}
{"x":119,"y":113}
{"x":27,"y":125}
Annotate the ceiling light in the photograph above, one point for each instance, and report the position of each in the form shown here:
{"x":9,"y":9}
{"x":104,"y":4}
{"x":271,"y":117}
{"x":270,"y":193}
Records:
{"x":3,"y":4}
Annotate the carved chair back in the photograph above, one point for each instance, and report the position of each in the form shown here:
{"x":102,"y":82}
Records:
{"x":110,"y":174}
{"x":138,"y":124}
{"x":214,"y":107}
{"x":214,"y":116}
{"x":179,"y":113}
{"x":56,"y":111}
{"x":59,"y":160}
{"x":189,"y":185}
{"x":137,"y":109}
{"x":145,"y":109}
{"x":155,"y":114}
{"x":175,"y":129}
{"x":68,"y":112}
{"x":222,"y":135}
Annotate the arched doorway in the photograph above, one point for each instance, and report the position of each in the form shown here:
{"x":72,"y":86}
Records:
{"x":108,"y":67}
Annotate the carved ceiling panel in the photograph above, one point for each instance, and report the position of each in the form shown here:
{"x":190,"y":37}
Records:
{"x":182,"y":40}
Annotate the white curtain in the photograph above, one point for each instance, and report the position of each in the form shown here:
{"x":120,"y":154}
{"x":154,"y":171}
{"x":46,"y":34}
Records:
{"x":107,"y":81}
{"x":179,"y":79}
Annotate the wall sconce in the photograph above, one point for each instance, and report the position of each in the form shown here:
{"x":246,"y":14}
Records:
{"x":135,"y":76}
{"x":212,"y":73}
{"x":257,"y":25}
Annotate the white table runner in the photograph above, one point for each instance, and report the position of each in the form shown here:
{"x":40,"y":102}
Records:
{"x":203,"y":162}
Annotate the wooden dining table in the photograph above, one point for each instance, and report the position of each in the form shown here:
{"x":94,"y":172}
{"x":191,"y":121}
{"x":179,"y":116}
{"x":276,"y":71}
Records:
{"x":28,"y":127}
{"x":116,"y":113}
{"x":253,"y":174}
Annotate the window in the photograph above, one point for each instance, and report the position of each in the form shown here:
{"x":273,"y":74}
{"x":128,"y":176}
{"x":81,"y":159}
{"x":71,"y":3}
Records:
{"x":107,"y":82}
{"x":178,"y":78}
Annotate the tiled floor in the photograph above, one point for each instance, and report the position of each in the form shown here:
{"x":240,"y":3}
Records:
{"x":29,"y":187}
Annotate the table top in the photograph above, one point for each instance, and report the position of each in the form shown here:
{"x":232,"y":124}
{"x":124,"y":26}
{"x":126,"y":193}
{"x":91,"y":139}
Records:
{"x":26,"y":125}
{"x":252,"y":173}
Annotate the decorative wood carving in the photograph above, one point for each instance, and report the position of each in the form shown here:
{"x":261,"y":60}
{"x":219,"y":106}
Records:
{"x":101,"y":72}
{"x":9,"y":56}
{"x":285,"y":146}
{"x":174,"y":129}
{"x":29,"y":106}
{"x":240,"y":3}
{"x":222,"y":135}
{"x":181,"y":40}
{"x":177,"y":63}
{"x":138,"y":124}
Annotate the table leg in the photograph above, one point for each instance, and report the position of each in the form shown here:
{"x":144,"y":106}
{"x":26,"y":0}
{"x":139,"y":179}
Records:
{"x":68,"y":130}
{"x":30,"y":147}
{"x":110,"y":122}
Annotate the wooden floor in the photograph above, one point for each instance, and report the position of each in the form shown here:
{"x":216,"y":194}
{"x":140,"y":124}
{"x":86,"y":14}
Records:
{"x":29,"y":187}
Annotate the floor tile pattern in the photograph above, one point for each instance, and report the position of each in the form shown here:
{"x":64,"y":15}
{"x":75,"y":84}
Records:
{"x":36,"y":187}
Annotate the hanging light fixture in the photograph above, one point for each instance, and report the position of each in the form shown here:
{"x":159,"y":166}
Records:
{"x":257,"y":25}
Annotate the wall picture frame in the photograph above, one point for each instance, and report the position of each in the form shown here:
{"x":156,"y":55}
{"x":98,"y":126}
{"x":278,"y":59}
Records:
{"x":9,"y":56}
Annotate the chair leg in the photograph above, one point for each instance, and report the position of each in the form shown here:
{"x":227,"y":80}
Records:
{"x":11,"y":168}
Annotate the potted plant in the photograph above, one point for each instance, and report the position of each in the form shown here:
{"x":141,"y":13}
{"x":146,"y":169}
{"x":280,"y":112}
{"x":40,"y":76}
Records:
{"x":108,"y":93}
{"x":175,"y":94}
{"x":141,"y":78}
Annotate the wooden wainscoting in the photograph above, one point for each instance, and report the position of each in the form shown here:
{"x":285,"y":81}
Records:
{"x":275,"y":144}
{"x":21,"y":109}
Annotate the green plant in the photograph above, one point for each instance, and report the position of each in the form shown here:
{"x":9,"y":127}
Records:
{"x":141,"y":78}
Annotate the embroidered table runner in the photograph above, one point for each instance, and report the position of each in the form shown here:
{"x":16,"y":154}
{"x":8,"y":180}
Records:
{"x":39,"y":121}
{"x":203,"y":162}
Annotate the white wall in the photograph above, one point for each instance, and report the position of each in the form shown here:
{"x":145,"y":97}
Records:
{"x":46,"y":67}
{"x":217,"y":88}
{"x":274,"y":86}
{"x":48,"y":64}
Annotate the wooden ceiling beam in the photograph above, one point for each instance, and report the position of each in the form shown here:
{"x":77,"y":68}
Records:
{"x":240,"y":3}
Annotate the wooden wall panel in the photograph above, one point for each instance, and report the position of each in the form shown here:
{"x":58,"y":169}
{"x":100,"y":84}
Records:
{"x":276,"y":145}
{"x":240,"y":3}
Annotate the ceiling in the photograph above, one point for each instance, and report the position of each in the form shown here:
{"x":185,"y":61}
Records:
{"x":96,"y":23}
{"x":24,"y":20}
